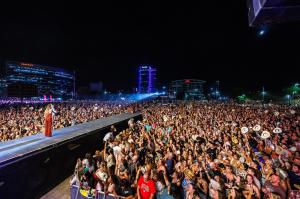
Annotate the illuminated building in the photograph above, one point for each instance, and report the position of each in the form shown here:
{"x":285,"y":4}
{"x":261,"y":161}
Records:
{"x":49,"y":81}
{"x":187,"y":89}
{"x":146,"y":79}
{"x":2,"y":86}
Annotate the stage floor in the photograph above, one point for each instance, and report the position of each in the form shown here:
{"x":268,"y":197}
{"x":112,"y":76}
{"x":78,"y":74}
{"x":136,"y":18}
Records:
{"x":17,"y":149}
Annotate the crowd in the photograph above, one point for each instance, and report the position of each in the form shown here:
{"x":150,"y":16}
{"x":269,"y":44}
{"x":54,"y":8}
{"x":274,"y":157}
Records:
{"x":199,"y":150}
{"x":19,"y":120}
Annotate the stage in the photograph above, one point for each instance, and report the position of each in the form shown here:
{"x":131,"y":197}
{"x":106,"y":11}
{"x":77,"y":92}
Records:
{"x":31,"y":166}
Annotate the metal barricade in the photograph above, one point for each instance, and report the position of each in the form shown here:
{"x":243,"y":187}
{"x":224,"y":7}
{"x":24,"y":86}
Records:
{"x":75,"y":194}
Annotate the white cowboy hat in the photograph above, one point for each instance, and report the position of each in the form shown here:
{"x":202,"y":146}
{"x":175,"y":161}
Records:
{"x":265,"y":135}
{"x":293,"y":149}
{"x":279,"y":150}
{"x":256,"y":127}
{"x":244,"y":130}
{"x":276,"y":113}
{"x":292,"y":112}
{"x":277,"y":130}
{"x":266,"y":111}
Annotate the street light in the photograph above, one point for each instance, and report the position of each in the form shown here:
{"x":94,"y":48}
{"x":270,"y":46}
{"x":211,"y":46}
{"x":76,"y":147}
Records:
{"x":289,"y":98}
{"x":263,"y":93}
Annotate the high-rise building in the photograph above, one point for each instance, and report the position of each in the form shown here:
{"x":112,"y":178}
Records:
{"x":45,"y":80}
{"x":2,"y":86}
{"x":147,"y":79}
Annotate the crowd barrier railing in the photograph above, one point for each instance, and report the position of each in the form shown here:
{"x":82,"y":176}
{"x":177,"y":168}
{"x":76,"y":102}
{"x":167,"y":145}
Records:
{"x":76,"y":194}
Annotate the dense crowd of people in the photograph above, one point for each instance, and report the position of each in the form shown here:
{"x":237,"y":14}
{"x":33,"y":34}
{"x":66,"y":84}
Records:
{"x":18,"y":119}
{"x":199,"y":150}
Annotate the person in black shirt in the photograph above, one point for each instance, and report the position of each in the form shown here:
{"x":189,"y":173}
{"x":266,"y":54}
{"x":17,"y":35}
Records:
{"x":294,"y":178}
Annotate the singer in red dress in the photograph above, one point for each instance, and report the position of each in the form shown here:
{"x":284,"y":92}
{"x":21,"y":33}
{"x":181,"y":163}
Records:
{"x":48,"y":121}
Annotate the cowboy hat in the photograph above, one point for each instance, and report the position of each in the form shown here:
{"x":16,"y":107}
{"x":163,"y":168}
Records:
{"x":293,"y":149}
{"x":277,"y":130}
{"x":279,"y":150}
{"x":244,"y":130}
{"x":292,"y":112}
{"x":265,"y":135}
{"x":256,"y":127}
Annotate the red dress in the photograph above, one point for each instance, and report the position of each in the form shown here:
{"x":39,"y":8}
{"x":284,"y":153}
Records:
{"x":48,"y":124}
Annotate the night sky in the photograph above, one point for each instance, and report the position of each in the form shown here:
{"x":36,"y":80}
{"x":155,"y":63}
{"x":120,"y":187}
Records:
{"x":209,"y":41}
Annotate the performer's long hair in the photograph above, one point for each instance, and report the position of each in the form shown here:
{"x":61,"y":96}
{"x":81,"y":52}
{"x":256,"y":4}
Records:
{"x":48,"y":107}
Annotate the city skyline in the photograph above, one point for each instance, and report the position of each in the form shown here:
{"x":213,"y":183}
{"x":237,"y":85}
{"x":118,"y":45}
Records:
{"x":183,"y":41}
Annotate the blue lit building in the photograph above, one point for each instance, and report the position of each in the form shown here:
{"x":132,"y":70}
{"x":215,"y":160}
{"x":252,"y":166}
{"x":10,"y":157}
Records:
{"x":48,"y":81}
{"x":147,"y":79}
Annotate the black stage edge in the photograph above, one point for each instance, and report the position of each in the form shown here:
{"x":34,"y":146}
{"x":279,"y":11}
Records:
{"x":33,"y":174}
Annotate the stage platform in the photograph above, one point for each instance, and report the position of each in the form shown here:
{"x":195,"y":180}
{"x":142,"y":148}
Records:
{"x":16,"y":149}
{"x":33,"y":165}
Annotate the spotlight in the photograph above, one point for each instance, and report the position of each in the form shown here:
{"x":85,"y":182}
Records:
{"x":261,"y":32}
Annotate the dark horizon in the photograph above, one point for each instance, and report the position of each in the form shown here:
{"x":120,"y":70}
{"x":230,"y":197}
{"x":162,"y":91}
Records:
{"x":109,"y":42}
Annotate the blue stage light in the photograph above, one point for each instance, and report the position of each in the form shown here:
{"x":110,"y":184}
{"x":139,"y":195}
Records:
{"x":261,"y":32}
